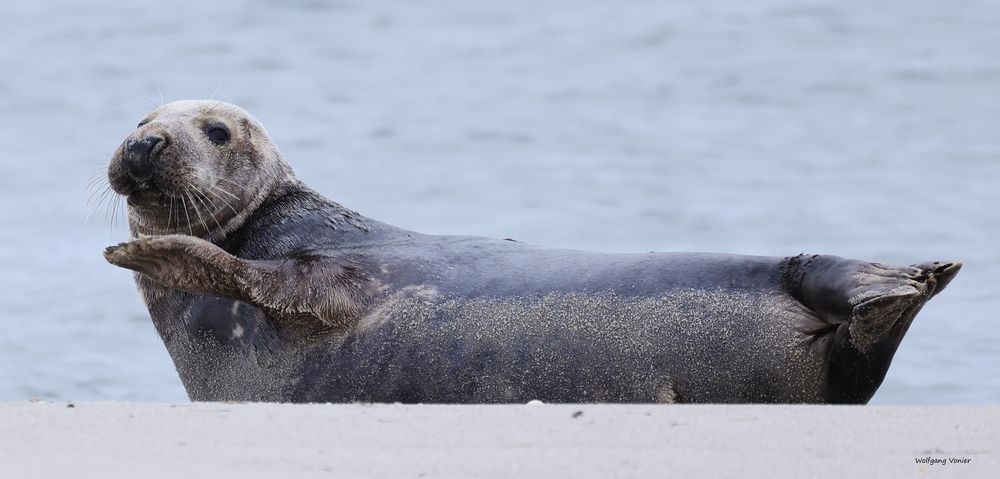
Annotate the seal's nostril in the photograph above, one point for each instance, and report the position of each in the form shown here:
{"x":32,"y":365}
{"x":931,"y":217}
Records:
{"x":139,"y":158}
{"x":144,"y":146}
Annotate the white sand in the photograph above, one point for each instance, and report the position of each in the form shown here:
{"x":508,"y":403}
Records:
{"x":266,"y":440}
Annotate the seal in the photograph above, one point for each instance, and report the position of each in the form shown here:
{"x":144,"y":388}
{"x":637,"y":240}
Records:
{"x":264,"y":290}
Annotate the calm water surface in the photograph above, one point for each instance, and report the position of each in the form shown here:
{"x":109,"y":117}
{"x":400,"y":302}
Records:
{"x":766,"y":127}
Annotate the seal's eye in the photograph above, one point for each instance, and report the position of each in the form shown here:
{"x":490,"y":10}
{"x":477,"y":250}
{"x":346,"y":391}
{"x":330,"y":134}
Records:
{"x":217,"y":133}
{"x":142,"y":123}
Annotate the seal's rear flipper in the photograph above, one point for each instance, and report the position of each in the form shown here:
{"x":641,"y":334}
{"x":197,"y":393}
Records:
{"x":865,"y":309}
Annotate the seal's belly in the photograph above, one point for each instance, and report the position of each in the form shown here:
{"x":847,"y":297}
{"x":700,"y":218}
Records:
{"x":420,"y":345}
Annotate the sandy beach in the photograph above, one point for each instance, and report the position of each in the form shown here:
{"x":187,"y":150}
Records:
{"x":109,"y":439}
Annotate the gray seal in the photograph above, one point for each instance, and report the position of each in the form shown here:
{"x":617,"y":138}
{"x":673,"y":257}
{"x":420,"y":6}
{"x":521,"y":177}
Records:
{"x":264,"y":290}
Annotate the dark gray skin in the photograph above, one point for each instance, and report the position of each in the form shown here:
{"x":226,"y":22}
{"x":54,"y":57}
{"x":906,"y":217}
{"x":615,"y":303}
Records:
{"x":264,"y":290}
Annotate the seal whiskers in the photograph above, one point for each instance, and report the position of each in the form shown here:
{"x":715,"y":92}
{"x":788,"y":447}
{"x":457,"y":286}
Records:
{"x":210,"y":207}
{"x":101,"y":199}
{"x":96,"y":199}
{"x":227,"y":202}
{"x":197,"y":211}
{"x":170,"y":214}
{"x":187,"y":217}
{"x":238,"y":186}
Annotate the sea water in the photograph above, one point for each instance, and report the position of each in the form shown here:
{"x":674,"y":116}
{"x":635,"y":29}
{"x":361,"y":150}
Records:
{"x":772,"y":127}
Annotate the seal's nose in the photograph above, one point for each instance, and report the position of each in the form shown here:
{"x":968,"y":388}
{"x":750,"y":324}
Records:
{"x":139,"y":157}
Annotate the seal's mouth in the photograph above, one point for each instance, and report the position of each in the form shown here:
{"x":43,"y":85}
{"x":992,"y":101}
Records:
{"x":143,"y":197}
{"x":131,"y":188}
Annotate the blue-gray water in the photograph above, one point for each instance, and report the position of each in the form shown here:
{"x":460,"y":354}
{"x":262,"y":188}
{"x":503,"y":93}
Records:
{"x":863,"y":129}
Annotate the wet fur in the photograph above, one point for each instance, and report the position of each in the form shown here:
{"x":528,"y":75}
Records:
{"x":285,"y":295}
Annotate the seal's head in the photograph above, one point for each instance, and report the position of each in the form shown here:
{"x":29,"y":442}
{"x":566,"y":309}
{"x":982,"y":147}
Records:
{"x":196,"y":167}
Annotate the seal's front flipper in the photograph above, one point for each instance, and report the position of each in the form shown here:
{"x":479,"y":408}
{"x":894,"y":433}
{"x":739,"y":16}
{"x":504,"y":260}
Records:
{"x":311,"y":294}
{"x":181,"y":262}
{"x":866,"y":309}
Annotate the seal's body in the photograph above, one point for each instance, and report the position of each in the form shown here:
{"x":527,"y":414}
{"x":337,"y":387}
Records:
{"x":262,"y":289}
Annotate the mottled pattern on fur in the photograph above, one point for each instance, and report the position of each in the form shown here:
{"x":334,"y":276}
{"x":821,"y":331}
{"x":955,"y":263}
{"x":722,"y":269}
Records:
{"x":266,"y":291}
